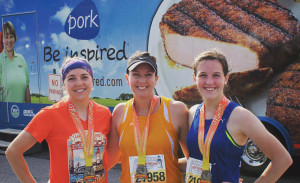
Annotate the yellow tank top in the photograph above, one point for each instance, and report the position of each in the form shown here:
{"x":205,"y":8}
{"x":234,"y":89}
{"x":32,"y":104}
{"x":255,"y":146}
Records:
{"x":162,"y":139}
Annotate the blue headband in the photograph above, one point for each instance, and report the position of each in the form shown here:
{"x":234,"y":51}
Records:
{"x":76,"y":63}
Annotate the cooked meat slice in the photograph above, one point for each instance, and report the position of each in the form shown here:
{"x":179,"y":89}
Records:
{"x":188,"y":95}
{"x":182,"y":46}
{"x":243,"y":83}
{"x":284,"y":97}
{"x":283,"y":101}
{"x":289,"y":118}
{"x":273,"y":13}
{"x":289,"y":79}
{"x":247,"y":22}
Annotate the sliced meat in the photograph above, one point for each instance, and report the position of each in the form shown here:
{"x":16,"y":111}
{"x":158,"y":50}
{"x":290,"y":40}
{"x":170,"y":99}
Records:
{"x":283,"y":101}
{"x":193,"y":26}
{"x":273,"y":13}
{"x":189,"y":95}
{"x":244,"y":83}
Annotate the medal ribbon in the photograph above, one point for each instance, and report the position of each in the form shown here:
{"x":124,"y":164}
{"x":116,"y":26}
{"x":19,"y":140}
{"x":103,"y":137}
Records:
{"x":205,"y":146}
{"x":141,"y":142}
{"x":87,"y":139}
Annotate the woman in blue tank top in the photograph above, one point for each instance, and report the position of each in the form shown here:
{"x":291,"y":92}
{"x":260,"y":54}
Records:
{"x":224,"y":128}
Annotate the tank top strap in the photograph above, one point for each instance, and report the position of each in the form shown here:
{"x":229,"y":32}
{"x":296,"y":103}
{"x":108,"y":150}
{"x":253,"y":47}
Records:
{"x":126,"y":112}
{"x":230,"y":107}
{"x":195,"y":122}
{"x":165,"y":105}
{"x":167,"y":122}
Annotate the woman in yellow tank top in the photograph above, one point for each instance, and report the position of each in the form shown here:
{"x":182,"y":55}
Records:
{"x":146,"y":131}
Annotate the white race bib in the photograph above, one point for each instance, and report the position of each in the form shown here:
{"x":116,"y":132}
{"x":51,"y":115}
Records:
{"x":194,"y":170}
{"x":156,"y":168}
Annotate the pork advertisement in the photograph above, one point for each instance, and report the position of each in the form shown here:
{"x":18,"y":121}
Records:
{"x":259,"y":38}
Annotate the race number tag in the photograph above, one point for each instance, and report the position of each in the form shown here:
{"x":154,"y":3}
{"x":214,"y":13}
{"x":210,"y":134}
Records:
{"x":194,"y":170}
{"x":156,"y":168}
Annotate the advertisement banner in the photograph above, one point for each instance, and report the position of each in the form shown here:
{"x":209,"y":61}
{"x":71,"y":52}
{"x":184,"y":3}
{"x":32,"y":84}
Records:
{"x":259,"y":38}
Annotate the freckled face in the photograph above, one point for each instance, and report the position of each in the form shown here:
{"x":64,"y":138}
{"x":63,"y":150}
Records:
{"x":78,"y":84}
{"x":142,"y":80}
{"x":210,"y":79}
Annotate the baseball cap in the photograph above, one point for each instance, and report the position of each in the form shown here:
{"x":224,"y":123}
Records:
{"x":140,"y":60}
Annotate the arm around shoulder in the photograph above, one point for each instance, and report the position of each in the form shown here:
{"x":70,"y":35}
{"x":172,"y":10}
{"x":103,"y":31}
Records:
{"x":179,"y":116}
{"x":113,"y":150}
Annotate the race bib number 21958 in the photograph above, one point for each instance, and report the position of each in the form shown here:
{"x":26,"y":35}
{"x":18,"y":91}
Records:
{"x":156,"y":168}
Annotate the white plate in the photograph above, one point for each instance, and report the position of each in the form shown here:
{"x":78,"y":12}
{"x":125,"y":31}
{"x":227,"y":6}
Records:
{"x":171,"y":76}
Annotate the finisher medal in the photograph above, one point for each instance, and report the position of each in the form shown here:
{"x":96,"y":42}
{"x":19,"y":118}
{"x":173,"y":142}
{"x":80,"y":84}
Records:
{"x":141,"y":141}
{"x":206,"y":176}
{"x":89,"y":174}
{"x":141,"y":173}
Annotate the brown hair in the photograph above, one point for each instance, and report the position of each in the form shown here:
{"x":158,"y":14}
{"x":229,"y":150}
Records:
{"x":8,"y":27}
{"x":213,"y":54}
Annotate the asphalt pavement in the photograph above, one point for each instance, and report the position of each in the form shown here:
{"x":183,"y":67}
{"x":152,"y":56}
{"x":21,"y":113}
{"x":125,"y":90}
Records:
{"x":39,"y":166}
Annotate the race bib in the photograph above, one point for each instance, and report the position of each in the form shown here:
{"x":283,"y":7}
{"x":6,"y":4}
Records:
{"x":156,"y":168}
{"x":194,"y":170}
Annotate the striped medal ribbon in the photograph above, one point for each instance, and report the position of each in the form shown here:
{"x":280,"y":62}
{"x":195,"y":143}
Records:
{"x":141,"y":139}
{"x":87,"y":139}
{"x":205,"y":146}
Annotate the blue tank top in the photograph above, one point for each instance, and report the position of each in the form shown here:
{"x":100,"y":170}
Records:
{"x":225,"y":154}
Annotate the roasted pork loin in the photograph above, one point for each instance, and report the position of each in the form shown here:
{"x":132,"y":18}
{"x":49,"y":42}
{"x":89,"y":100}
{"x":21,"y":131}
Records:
{"x":283,"y":102}
{"x":259,"y":37}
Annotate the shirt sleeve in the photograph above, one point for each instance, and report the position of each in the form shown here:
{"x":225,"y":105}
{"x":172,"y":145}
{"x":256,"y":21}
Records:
{"x":40,"y":126}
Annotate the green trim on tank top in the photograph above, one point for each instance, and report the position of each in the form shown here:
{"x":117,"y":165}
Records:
{"x":231,"y":140}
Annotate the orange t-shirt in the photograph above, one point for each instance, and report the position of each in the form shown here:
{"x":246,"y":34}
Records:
{"x":162,"y":139}
{"x":67,"y":164}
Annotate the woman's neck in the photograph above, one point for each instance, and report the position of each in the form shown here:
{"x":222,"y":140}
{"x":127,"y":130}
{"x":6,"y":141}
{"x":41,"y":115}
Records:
{"x":10,"y":54}
{"x":142,"y":106}
{"x":82,"y":108}
{"x":211,"y":107}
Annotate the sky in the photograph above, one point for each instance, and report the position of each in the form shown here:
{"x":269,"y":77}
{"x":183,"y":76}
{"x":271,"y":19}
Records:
{"x":40,"y":24}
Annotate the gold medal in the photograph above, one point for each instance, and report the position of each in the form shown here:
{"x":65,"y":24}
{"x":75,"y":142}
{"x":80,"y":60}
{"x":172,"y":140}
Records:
{"x":206,"y":176}
{"x":89,"y":174}
{"x":141,"y":173}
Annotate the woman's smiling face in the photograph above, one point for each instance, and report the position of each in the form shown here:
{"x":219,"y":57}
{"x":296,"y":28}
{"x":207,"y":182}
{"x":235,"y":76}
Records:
{"x":210,"y":79}
{"x":142,"y":80}
{"x":78,"y":84}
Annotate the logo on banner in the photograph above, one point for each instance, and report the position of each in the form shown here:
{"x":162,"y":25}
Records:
{"x":83,"y":22}
{"x":15,"y":112}
{"x":28,"y":113}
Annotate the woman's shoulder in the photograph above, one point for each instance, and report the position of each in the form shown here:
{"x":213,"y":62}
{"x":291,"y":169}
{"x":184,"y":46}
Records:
{"x":19,"y":56}
{"x":177,"y":104}
{"x":51,"y":110}
{"x":241,"y":116}
{"x":178,"y":108}
{"x":241,"y":112}
{"x":119,"y":108}
{"x":55,"y":108}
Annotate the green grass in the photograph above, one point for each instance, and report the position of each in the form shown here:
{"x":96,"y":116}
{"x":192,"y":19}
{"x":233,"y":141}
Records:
{"x":41,"y":100}
{"x":108,"y":102}
{"x":105,"y":102}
